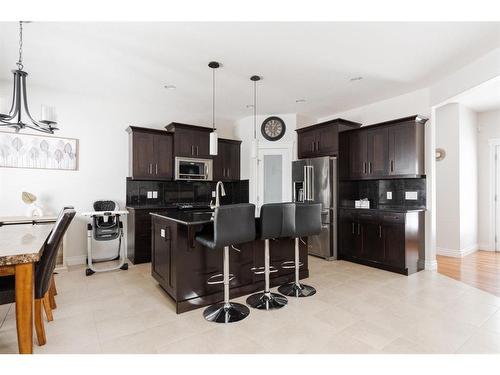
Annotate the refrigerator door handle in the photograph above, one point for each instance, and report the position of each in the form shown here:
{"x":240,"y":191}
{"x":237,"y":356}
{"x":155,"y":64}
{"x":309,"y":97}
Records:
{"x":312,"y":183}
{"x":305,"y":183}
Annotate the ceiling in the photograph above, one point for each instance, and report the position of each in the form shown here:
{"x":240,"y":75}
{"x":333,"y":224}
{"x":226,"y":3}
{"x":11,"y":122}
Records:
{"x":311,"y":61}
{"x":484,"y":98}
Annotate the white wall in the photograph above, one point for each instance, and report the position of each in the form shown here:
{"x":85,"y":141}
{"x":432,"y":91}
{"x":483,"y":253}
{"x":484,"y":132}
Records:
{"x":489,"y":128}
{"x":468,"y":181}
{"x":99,"y":123}
{"x":457,"y":181}
{"x":244,"y":131}
{"x":415,"y":102}
{"x":447,"y":179}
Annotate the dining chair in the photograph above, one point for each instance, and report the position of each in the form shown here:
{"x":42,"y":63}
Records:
{"x":44,"y":269}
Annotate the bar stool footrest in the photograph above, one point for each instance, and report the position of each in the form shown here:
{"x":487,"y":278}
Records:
{"x":218,"y":276}
{"x":289,"y":264}
{"x":262,"y":270}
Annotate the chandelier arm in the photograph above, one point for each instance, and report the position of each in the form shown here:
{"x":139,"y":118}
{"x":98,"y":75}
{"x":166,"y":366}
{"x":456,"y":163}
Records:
{"x":14,"y":110}
{"x":40,"y":128}
{"x":26,"y":109}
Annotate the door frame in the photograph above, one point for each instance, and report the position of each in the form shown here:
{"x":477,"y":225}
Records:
{"x":286,"y":149}
{"x":494,"y":144}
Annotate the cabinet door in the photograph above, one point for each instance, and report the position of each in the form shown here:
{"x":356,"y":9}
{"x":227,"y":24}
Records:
{"x":372,"y":242}
{"x":306,"y":144}
{"x":201,"y":143}
{"x":163,"y":152}
{"x":219,"y":161}
{"x":327,"y":141}
{"x":402,"y":149}
{"x":348,"y":237}
{"x":358,"y":167}
{"x":162,"y":254}
{"x":378,"y":153}
{"x":394,"y":244}
{"x":142,"y":155}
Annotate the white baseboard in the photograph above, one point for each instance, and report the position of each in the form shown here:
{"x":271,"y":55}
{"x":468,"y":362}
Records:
{"x":486,"y":247}
{"x":431,"y":265}
{"x":456,"y":252}
{"x":76,"y":260}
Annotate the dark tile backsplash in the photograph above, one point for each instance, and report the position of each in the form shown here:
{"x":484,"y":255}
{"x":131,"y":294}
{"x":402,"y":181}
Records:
{"x":183,"y":191}
{"x":376,"y":192}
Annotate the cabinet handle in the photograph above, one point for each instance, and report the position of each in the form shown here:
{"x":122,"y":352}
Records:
{"x":156,"y":168}
{"x":223,"y":172}
{"x":317,"y":145}
{"x":197,"y":153}
{"x":370,"y":167}
{"x":150,"y":168}
{"x":192,"y":150}
{"x":353,"y":229}
{"x":364,"y":167}
{"x":392,"y":166}
{"x":380,"y":231}
{"x":312,"y":146}
{"x":359,"y":229}
{"x":228,"y":173}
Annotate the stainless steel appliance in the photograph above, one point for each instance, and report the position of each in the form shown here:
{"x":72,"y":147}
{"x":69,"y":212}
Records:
{"x":193,"y":169}
{"x":315,"y":180}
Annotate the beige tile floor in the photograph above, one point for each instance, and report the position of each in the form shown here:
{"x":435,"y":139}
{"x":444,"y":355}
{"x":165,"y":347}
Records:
{"x":357,"y":309}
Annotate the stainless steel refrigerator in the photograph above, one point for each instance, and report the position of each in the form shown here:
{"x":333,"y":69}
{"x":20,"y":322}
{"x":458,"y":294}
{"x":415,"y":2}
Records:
{"x":315,"y":180}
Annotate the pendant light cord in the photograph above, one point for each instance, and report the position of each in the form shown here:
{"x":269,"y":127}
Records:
{"x":254,"y":109}
{"x":19,"y":63}
{"x":213,"y":99}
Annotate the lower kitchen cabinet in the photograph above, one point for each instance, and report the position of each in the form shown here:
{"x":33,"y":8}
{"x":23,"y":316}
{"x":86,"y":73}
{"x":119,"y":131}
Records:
{"x":393,"y":241}
{"x":139,"y":234}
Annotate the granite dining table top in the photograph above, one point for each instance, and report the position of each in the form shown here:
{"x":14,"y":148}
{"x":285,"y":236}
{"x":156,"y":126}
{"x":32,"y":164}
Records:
{"x":22,"y":243}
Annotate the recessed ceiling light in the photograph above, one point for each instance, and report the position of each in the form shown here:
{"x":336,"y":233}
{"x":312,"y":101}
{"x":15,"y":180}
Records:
{"x":249,"y":105}
{"x":353,"y":79}
{"x":170,"y":87}
{"x":300,"y":100}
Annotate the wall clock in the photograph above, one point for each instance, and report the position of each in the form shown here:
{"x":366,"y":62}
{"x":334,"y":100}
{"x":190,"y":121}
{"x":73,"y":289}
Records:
{"x":273,"y":128}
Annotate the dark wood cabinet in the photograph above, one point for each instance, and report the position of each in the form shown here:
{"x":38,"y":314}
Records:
{"x":150,"y":154}
{"x":227,"y":161}
{"x":393,"y":149}
{"x":321,"y":139}
{"x":392,"y":241}
{"x":190,"y":140}
{"x":139,"y":234}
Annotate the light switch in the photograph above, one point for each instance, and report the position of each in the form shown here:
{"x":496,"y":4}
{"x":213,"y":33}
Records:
{"x":411,"y":195}
{"x":150,"y":194}
{"x":162,"y":233}
{"x":389,"y":195}
{"x":155,"y":194}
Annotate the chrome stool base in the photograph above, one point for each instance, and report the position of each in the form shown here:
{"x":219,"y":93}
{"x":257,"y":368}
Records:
{"x":267,"y":301}
{"x":226,"y":313}
{"x":294,"y":290}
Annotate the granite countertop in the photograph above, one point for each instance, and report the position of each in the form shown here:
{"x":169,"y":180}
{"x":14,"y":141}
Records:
{"x":186,"y":217}
{"x":22,"y":243}
{"x":385,"y":209}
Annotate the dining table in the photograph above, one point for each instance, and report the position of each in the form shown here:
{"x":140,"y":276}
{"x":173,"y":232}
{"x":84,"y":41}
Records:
{"x":21,"y":246}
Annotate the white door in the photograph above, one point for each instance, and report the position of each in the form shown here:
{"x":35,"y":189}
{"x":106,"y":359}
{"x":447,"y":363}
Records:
{"x":274,"y":173}
{"x":497,"y":199}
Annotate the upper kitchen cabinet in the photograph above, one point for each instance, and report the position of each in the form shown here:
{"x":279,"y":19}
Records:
{"x":190,"y":141}
{"x":227,"y":160}
{"x":150,"y":154}
{"x":322,"y":139}
{"x":392,"y":149}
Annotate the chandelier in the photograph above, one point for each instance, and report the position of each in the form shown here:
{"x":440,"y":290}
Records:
{"x":13,"y":118}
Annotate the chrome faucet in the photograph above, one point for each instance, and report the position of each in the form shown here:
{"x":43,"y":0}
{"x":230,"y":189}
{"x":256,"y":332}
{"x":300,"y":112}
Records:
{"x":217,"y":197}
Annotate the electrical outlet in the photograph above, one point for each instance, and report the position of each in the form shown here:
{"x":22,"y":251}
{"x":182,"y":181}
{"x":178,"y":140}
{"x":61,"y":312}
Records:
{"x":150,"y":194}
{"x":155,"y":194}
{"x":213,"y":194}
{"x":389,"y":195}
{"x":411,"y":195}
{"x":162,"y":233}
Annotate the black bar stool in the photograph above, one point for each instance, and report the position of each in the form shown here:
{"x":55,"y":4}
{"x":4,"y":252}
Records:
{"x":276,"y":220}
{"x":233,"y":224}
{"x":307,"y":223}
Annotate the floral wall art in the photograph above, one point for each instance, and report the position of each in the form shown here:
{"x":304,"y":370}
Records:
{"x":40,"y":152}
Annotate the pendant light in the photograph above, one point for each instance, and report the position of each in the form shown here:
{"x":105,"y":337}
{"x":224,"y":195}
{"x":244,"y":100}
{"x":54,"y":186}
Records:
{"x":213,"y":135}
{"x":13,"y":118}
{"x":255,"y":142}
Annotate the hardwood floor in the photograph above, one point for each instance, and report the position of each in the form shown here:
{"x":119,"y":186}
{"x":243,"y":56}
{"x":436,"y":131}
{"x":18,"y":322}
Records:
{"x":480,"y":269}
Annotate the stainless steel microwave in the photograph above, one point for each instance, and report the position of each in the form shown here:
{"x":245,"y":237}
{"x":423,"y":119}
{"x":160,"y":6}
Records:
{"x":193,"y":169}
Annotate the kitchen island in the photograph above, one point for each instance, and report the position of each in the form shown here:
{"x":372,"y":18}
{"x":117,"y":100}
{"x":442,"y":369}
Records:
{"x":182,"y":266}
